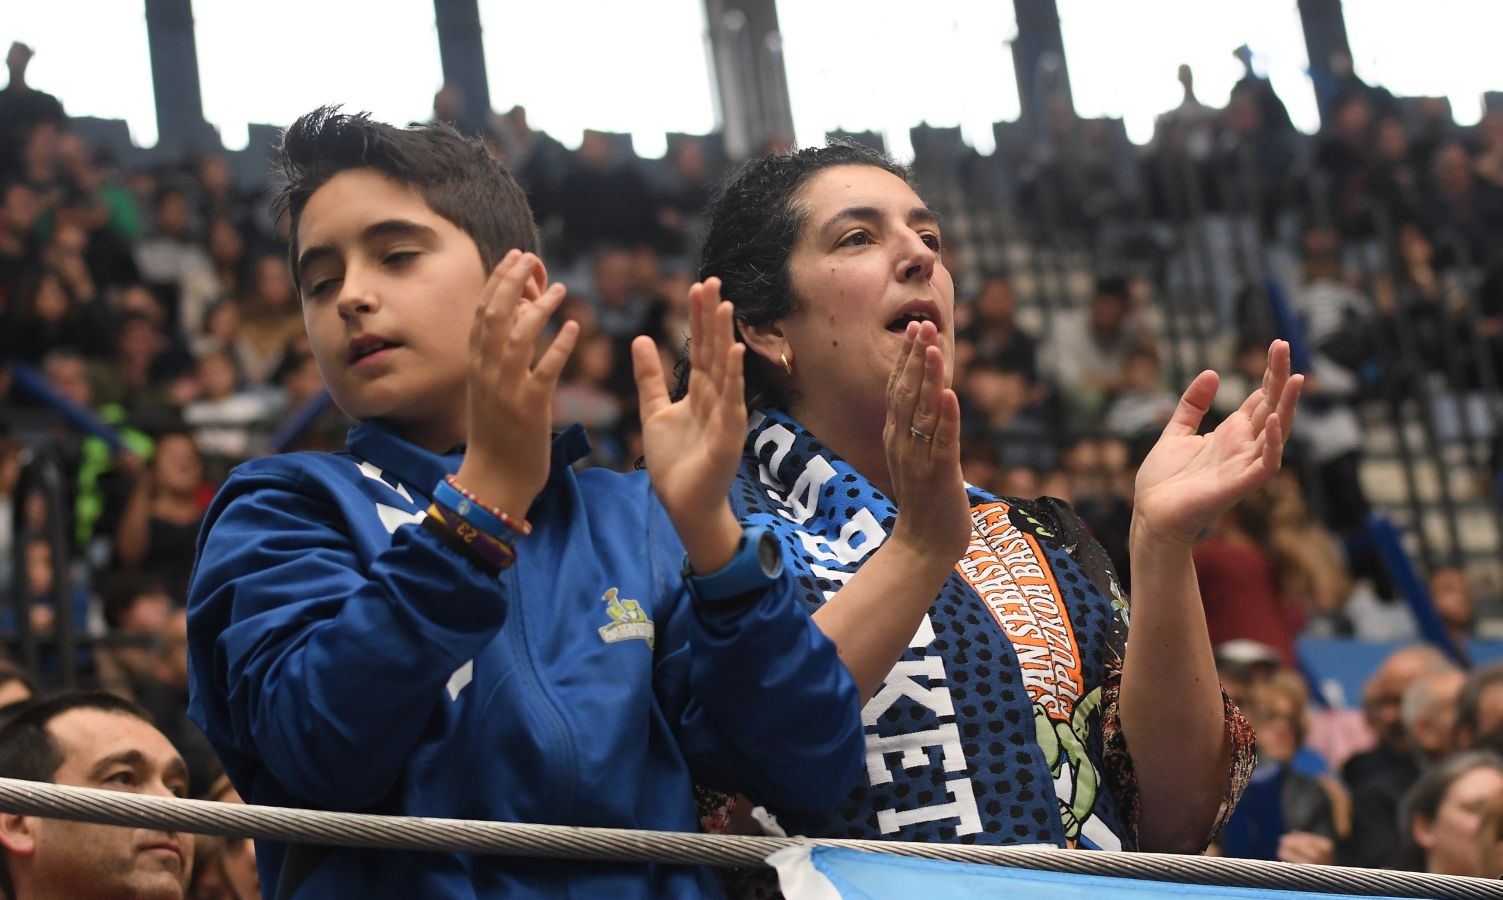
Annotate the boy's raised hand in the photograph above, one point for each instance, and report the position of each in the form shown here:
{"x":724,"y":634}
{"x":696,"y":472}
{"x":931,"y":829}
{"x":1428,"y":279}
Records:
{"x":693,"y":446}
{"x":506,"y":461}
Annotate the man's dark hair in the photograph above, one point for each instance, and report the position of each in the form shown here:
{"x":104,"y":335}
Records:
{"x":456,"y":176}
{"x":29,"y":752}
{"x":754,"y":222}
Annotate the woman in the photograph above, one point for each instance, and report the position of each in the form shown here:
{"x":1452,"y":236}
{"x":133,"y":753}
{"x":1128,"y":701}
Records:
{"x":161,"y":519}
{"x":1442,"y":816}
{"x":987,"y":632}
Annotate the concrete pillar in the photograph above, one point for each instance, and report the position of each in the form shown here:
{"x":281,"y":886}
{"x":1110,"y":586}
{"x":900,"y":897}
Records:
{"x":1039,"y":57}
{"x":752,"y":84}
{"x":174,"y":77}
{"x":463,"y":59}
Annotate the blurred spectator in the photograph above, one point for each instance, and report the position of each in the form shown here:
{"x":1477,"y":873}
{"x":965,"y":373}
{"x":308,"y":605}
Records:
{"x":227,"y":421}
{"x":1462,"y":212}
{"x":1277,"y":713}
{"x":1382,"y":698}
{"x":16,"y":689}
{"x":173,"y":262}
{"x":1428,"y":715}
{"x":136,"y":606}
{"x":583,"y":393}
{"x":1344,"y":157}
{"x":1239,"y":583}
{"x":147,"y":362}
{"x":19,"y":209}
{"x":1194,"y":121}
{"x":47,"y":314}
{"x":1141,"y":408}
{"x":224,"y":868}
{"x":1270,"y":108}
{"x":48,"y":590}
{"x":159,"y":528}
{"x":624,"y":306}
{"x":1312,"y":569}
{"x":1397,"y":187}
{"x":998,"y":337}
{"x":1000,"y":407}
{"x":1490,"y":838}
{"x":681,"y":209}
{"x":1479,"y":711}
{"x":10,"y":478}
{"x":537,"y":159}
{"x":601,"y":200}
{"x":1451,"y":595}
{"x":1089,"y":352}
{"x":1442,"y":815}
{"x":271,"y":320}
{"x":220,"y":199}
{"x":1488,"y":165}
{"x":22,"y":107}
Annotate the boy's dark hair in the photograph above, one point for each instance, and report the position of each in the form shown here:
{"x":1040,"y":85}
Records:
{"x":29,"y":752}
{"x":456,"y":175}
{"x":754,"y":221}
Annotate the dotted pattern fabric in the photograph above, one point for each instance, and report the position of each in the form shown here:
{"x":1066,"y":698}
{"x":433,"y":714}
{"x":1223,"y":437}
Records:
{"x":830,"y":519}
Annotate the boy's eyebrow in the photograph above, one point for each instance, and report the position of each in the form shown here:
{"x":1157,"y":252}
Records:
{"x":384,"y":229}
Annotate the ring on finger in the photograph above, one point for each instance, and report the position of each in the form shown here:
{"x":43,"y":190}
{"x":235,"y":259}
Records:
{"x":926,"y":438}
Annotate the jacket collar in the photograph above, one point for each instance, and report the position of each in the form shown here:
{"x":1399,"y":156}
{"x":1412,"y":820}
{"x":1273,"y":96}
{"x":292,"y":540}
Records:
{"x":422,"y":469}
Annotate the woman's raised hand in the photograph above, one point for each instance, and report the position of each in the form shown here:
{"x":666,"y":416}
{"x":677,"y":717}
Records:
{"x":1189,"y":479}
{"x":922,"y":440}
{"x":693,"y":446}
{"x":510,"y":399}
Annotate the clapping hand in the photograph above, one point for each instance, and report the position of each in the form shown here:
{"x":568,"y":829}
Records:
{"x":693,"y":445}
{"x":922,"y":440}
{"x":511,"y":399}
{"x":1188,"y":479}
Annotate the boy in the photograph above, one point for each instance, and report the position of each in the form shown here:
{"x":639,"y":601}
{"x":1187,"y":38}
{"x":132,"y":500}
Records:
{"x":359,"y":635}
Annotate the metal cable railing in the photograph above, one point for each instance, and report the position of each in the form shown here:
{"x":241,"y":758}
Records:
{"x":625,"y":845}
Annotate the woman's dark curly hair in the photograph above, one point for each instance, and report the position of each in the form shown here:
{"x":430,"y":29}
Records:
{"x":755,"y":220}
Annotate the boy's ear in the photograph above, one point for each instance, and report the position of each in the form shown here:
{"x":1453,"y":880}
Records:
{"x":16,"y":834}
{"x":538,"y":283}
{"x":767,"y":341}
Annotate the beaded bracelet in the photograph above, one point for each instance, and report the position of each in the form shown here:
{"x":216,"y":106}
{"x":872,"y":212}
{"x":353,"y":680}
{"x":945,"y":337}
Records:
{"x":496,"y":553}
{"x":488,"y":519}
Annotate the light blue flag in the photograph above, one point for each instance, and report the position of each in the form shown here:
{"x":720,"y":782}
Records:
{"x":834,"y":873}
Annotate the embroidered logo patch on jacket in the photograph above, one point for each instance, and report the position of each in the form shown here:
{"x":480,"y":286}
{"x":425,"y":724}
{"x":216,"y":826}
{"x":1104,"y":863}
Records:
{"x":628,"y":621}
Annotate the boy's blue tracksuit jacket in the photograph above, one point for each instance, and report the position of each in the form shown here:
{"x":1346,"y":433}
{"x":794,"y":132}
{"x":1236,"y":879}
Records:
{"x":344,"y":658}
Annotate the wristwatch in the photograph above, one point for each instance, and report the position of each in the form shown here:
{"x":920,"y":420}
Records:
{"x":758,"y":563}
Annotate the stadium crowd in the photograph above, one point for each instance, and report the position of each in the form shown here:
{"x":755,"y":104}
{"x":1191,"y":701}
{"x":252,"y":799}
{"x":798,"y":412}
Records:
{"x":160,"y":299}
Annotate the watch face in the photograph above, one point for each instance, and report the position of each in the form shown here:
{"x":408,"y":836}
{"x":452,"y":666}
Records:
{"x":770,"y":555}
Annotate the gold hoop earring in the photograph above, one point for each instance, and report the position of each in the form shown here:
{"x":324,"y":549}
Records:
{"x":787,"y":366}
